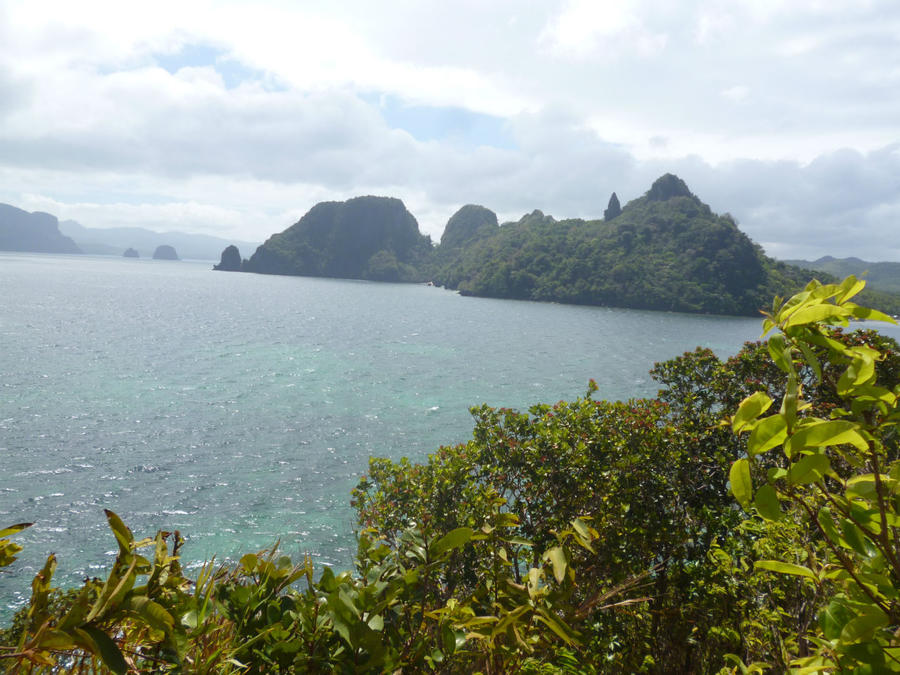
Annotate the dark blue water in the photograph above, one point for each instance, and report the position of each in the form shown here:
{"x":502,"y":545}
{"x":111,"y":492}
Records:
{"x":241,"y":408}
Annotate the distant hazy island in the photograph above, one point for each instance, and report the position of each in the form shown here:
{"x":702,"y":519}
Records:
{"x":165,"y":252}
{"x":36,"y":232}
{"x":666,"y":250}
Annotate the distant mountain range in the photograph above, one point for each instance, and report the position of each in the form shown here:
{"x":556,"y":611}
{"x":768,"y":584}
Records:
{"x":884,"y":276}
{"x":42,"y":233}
{"x":114,"y":241}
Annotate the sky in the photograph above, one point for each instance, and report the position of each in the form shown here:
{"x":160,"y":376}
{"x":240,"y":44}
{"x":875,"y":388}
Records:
{"x":235,"y":118}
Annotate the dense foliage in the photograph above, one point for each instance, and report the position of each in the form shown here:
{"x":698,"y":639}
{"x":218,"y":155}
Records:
{"x":581,"y":537}
{"x":666,"y":251}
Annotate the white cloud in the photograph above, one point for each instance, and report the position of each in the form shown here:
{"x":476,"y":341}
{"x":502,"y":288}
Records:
{"x":598,"y":96}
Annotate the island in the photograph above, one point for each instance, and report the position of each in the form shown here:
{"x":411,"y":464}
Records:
{"x":373,"y":238}
{"x":32,"y":232}
{"x":165,"y":252}
{"x":130,"y":253}
{"x":665,"y":250}
{"x":231,"y":260}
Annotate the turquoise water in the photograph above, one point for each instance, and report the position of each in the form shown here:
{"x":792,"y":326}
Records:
{"x":242,"y":408}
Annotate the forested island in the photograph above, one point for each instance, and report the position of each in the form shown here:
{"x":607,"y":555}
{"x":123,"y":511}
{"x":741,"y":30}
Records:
{"x":666,"y":250}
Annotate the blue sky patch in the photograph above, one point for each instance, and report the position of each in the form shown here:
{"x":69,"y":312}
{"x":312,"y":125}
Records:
{"x":233,"y":72}
{"x":439,"y":123}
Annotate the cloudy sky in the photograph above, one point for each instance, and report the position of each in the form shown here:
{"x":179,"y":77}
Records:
{"x":234,"y":118}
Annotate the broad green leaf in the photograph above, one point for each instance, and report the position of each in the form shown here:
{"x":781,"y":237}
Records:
{"x":785,"y":568}
{"x":823,"y":434}
{"x":741,"y":484}
{"x":769,"y":433}
{"x":809,"y":469}
{"x":855,"y":538}
{"x":834,"y":617}
{"x":557,"y":558}
{"x":153,"y":613}
{"x":107,"y":649}
{"x":452,"y":540}
{"x":766,"y":502}
{"x":849,"y":287}
{"x":248,"y":562}
{"x":819,"y":313}
{"x":871,"y":315}
{"x":558,"y":627}
{"x":860,"y":371}
{"x":863,"y":627}
{"x":751,"y":407}
{"x":120,"y":530}
{"x":864,"y":485}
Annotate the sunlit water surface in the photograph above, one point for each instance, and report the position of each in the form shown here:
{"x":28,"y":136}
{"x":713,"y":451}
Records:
{"x":241,"y":408}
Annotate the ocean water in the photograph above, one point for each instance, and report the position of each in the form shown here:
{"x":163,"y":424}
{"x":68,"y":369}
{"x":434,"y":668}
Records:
{"x":241,"y":409}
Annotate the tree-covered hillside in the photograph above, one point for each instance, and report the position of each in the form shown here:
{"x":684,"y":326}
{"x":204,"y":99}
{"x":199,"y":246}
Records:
{"x":363,"y":238}
{"x":666,"y":250}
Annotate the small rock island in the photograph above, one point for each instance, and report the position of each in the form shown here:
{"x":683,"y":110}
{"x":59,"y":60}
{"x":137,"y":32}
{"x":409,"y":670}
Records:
{"x":130,"y":253}
{"x":165,"y":252}
{"x":231,"y":260}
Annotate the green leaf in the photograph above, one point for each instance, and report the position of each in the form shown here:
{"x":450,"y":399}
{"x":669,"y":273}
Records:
{"x":558,"y":627}
{"x":863,"y":627}
{"x":450,"y":541}
{"x":153,"y":613}
{"x":809,"y":469}
{"x":107,"y":648}
{"x":871,"y":315}
{"x":769,"y":433}
{"x":12,"y":529}
{"x":849,"y":287}
{"x":860,"y":371}
{"x":785,"y":568}
{"x":766,"y":502}
{"x":557,"y":558}
{"x":751,"y":407}
{"x":120,"y":530}
{"x":825,"y":433}
{"x":741,"y":484}
{"x":834,"y":617}
{"x":780,"y":353}
{"x":819,"y":313}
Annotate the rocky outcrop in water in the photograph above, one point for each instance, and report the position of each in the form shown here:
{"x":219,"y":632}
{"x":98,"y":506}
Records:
{"x":231,"y":260}
{"x":363,"y":238}
{"x":130,"y":253}
{"x":165,"y":252}
{"x":35,"y":232}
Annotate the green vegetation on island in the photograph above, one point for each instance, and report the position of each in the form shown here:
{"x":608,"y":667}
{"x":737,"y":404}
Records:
{"x":581,"y":537}
{"x":363,"y":238}
{"x":666,"y":250}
